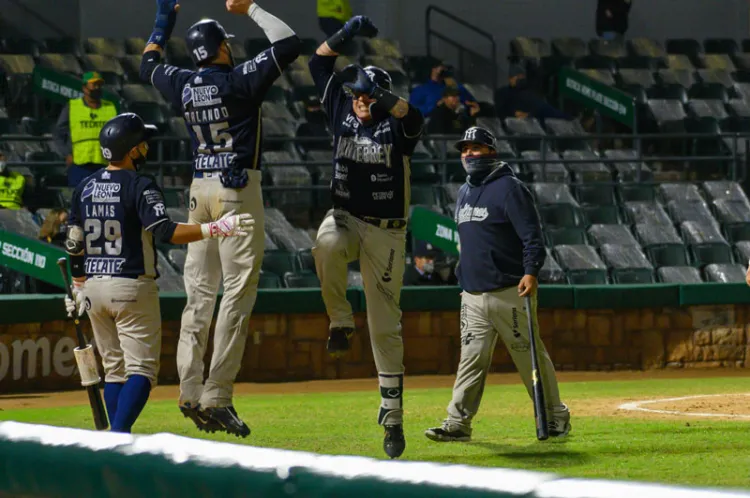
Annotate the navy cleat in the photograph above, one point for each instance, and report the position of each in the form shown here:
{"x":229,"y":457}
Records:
{"x":200,"y":418}
{"x":394,"y":442}
{"x":229,"y":421}
{"x":443,"y":434}
{"x":338,"y":341}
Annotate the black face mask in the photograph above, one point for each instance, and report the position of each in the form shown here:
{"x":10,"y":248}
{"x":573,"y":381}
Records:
{"x":96,"y":93}
{"x":139,"y":162}
{"x":479,"y":167}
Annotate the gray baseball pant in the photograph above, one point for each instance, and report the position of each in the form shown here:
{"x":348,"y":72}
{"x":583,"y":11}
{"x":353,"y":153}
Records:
{"x":343,"y":238}
{"x":484,"y":317}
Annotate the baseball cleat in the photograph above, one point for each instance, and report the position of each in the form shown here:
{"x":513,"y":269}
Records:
{"x":394,"y":442}
{"x":443,"y":435}
{"x":559,"y":422}
{"x":200,"y":418}
{"x":229,"y":421}
{"x":338,"y":341}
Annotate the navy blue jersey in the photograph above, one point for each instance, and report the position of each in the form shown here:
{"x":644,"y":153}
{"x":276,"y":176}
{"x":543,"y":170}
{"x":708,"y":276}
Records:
{"x":371,"y":163}
{"x":221,"y":105}
{"x":117,"y":210}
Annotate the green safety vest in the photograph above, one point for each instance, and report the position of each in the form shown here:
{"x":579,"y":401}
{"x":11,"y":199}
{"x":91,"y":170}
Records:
{"x":11,"y":190}
{"x":85,"y":125}
{"x":337,"y":9}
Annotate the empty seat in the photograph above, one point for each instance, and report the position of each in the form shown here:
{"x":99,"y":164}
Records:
{"x":636,"y":192}
{"x":570,"y":48}
{"x":720,"y":46}
{"x":686,"y":192}
{"x":563,"y":127}
{"x":551,"y":273}
{"x":668,"y":114}
{"x":305,"y":260}
{"x":20,"y":221}
{"x":587,"y":172}
{"x":647,"y":47}
{"x":268,"y":243}
{"x":684,"y":78}
{"x":679,"y":275}
{"x":291,"y":239}
{"x":600,"y":195}
{"x":565,"y":236}
{"x":639,"y":77}
{"x":169,"y":279}
{"x":267,"y":280}
{"x":705,"y":243}
{"x":734,"y":217}
{"x":705,"y":108}
{"x":552,"y":193}
{"x":503,"y":146}
{"x":604,"y":215}
{"x":178,"y":214}
{"x":628,"y":171}
{"x":681,"y":211}
{"x":646,"y":212}
{"x":548,"y":171}
{"x":726,"y":190}
{"x":720,"y":76}
{"x":581,"y":264}
{"x":301,"y":280}
{"x":525,"y":126}
{"x":64,"y":63}
{"x":718,"y":61}
{"x":384,"y":47}
{"x":283,"y":174}
{"x":724,"y":273}
{"x":135,"y":45}
{"x":611,"y":234}
{"x":662,"y":245}
{"x":614,"y":49}
{"x":529,"y":48}
{"x":742,"y":251}
{"x":601,"y":75}
{"x":354,"y":279}
{"x":177,"y":256}
{"x":627,"y":264}
{"x":278,"y":262}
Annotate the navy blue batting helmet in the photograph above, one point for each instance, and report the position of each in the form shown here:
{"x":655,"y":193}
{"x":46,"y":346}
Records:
{"x":380,"y":77}
{"x":476,"y":135}
{"x":204,"y":39}
{"x":121,"y":133}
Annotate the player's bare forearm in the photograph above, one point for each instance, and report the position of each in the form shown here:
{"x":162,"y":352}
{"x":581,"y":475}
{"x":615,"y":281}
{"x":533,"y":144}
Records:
{"x":325,"y":51}
{"x":153,"y":47}
{"x":186,"y":233}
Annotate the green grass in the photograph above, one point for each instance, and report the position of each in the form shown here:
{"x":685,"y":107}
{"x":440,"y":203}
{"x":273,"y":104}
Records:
{"x":692,"y":451}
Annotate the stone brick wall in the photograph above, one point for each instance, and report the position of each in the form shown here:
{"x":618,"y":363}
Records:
{"x":292,"y":347}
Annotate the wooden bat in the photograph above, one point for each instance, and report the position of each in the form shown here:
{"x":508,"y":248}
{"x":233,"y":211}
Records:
{"x":540,"y":408}
{"x":95,"y":396}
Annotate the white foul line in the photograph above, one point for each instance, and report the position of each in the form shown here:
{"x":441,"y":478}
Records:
{"x":636,"y":406}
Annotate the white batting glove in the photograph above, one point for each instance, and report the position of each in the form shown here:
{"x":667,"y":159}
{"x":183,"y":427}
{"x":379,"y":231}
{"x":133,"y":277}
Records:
{"x":77,"y":301}
{"x":229,"y":225}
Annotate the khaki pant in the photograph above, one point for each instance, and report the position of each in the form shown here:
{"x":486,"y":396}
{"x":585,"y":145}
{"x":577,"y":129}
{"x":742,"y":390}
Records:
{"x":239,"y":260}
{"x":343,"y":238}
{"x":126,"y":320}
{"x":484,"y":317}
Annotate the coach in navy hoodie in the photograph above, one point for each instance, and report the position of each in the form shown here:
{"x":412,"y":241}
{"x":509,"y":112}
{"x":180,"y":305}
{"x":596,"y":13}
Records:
{"x":502,"y":252}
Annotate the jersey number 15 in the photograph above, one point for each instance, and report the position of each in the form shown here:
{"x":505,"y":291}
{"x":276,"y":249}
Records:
{"x":221,"y":141}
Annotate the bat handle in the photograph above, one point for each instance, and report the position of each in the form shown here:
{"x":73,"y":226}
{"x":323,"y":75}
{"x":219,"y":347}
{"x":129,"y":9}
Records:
{"x":62,"y":263}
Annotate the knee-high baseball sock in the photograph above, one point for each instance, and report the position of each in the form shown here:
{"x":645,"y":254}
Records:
{"x":391,"y":396}
{"x":111,"y":396}
{"x":133,"y":397}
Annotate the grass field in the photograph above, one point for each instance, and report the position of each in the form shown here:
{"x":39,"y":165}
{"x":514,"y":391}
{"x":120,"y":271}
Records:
{"x":604,"y":443}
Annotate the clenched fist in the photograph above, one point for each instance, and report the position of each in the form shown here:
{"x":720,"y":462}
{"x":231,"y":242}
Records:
{"x":239,"y":6}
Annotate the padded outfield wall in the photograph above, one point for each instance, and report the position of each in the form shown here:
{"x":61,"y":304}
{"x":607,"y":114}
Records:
{"x":583,"y":327}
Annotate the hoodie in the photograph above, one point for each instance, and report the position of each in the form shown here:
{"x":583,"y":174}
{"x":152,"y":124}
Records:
{"x":499,"y":231}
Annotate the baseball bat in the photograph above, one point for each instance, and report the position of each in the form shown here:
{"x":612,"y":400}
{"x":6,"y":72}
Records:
{"x":95,"y":396}
{"x":540,"y":408}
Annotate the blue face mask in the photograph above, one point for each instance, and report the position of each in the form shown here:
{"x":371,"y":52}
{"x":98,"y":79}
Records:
{"x":478,"y":167}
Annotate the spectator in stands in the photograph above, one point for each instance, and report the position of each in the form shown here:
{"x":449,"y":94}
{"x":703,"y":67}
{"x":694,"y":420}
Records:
{"x":332,"y":14}
{"x":612,"y":18}
{"x":78,"y":128}
{"x":450,"y":117}
{"x":315,"y":125}
{"x":53,"y":231}
{"x":428,"y":96}
{"x":518,"y":99}
{"x":12,"y":186}
{"x":423,"y":270}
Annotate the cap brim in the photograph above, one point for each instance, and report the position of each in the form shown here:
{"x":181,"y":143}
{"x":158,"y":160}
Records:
{"x":151,"y":131}
{"x":459,"y":146}
{"x":94,"y":80}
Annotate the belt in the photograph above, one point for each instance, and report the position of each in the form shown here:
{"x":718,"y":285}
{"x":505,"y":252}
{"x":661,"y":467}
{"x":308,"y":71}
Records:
{"x":206,"y":174}
{"x":385,"y":223}
{"x":129,"y":277}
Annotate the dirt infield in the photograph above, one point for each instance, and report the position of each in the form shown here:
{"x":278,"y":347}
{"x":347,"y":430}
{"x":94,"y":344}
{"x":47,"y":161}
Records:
{"x":732,"y":405}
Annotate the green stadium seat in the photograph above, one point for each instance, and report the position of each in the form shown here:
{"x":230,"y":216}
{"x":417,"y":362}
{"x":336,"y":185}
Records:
{"x":135,"y":46}
{"x":565,"y":236}
{"x":569,"y":48}
{"x":628,"y":171}
{"x":662,"y":245}
{"x":66,"y":45}
{"x":720,"y":46}
{"x":278,"y":262}
{"x":611,"y":234}
{"x":268,"y":280}
{"x":647,"y":47}
{"x":605,"y":215}
{"x":551,"y":273}
{"x":600,"y":195}
{"x":523,"y":47}
{"x":551,"y":170}
{"x":742,"y":251}
{"x":582,"y":265}
{"x":724,"y":273}
{"x":705,"y":244}
{"x":627,"y":264}
{"x":304,"y":261}
{"x":734,"y":217}
{"x":678,"y":275}
{"x":650,"y":213}
{"x":108,"y":47}
{"x":562,"y":215}
{"x":301,"y":280}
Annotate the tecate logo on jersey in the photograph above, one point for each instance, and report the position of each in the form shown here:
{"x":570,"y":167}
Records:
{"x":101,"y":192}
{"x":470,"y":213}
{"x":104,"y":266}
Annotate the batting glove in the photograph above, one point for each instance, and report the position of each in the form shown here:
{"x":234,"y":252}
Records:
{"x":229,"y":225}
{"x":362,"y":26}
{"x":77,"y":301}
{"x":356,"y":80}
{"x":166,"y":17}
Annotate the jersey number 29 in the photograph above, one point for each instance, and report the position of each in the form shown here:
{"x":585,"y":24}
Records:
{"x":112,"y":237}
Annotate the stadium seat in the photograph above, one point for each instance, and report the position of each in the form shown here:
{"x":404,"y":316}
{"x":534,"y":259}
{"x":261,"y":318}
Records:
{"x":276,"y":163}
{"x":611,"y":234}
{"x":650,"y":213}
{"x":565,"y":236}
{"x":521,"y":127}
{"x":600,"y":195}
{"x":662,"y":244}
{"x":734,"y":217}
{"x":559,"y":127}
{"x":679,"y":275}
{"x":569,"y":48}
{"x":268,"y":280}
{"x":721,"y":62}
{"x":551,"y":170}
{"x":724,"y":273}
{"x":383,"y":47}
{"x":627,"y":264}
{"x":354,"y":279}
{"x":177,"y":53}
{"x":504,"y":146}
{"x":291,"y":239}
{"x":177,"y":256}
{"x":725,"y":190}
{"x":681,"y":211}
{"x":108,"y":47}
{"x":647,"y":47}
{"x":425,"y":195}
{"x":551,"y":273}
{"x":529,"y":48}
{"x":704,"y":108}
{"x":278,"y":262}
{"x":705,"y":244}
{"x":686,"y":192}
{"x":67,"y":45}
{"x":304,"y":260}
{"x":135,"y":46}
{"x":601,"y":75}
{"x":110,"y":68}
{"x":269,"y":244}
{"x":63,"y":63}
{"x":21,"y":46}
{"x":669,"y":115}
{"x":19,"y":221}
{"x":720,"y":46}
{"x":595,"y":62}
{"x":605,"y":215}
{"x":670,"y":78}
{"x":169,"y":279}
{"x":587,"y":172}
{"x":238,"y":51}
{"x":628,"y":171}
{"x":720,"y":76}
{"x":301,"y":280}
{"x":581,"y":264}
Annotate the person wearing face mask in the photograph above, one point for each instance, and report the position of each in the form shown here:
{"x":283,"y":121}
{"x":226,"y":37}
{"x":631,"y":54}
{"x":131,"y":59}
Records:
{"x":78,"y":127}
{"x":423,"y":271}
{"x":375,"y":133}
{"x":116,"y":216}
{"x":519,"y":100}
{"x":502,"y":251}
{"x":450,"y":117}
{"x":12,"y":185}
{"x":315,"y":126}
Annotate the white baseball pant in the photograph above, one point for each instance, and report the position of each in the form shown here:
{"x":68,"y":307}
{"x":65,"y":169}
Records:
{"x":239,"y":260}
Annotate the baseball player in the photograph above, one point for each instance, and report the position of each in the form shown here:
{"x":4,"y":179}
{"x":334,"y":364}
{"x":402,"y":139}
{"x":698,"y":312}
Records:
{"x":221,"y":106}
{"x":115,"y":217}
{"x":501,"y":254}
{"x":375,"y":133}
